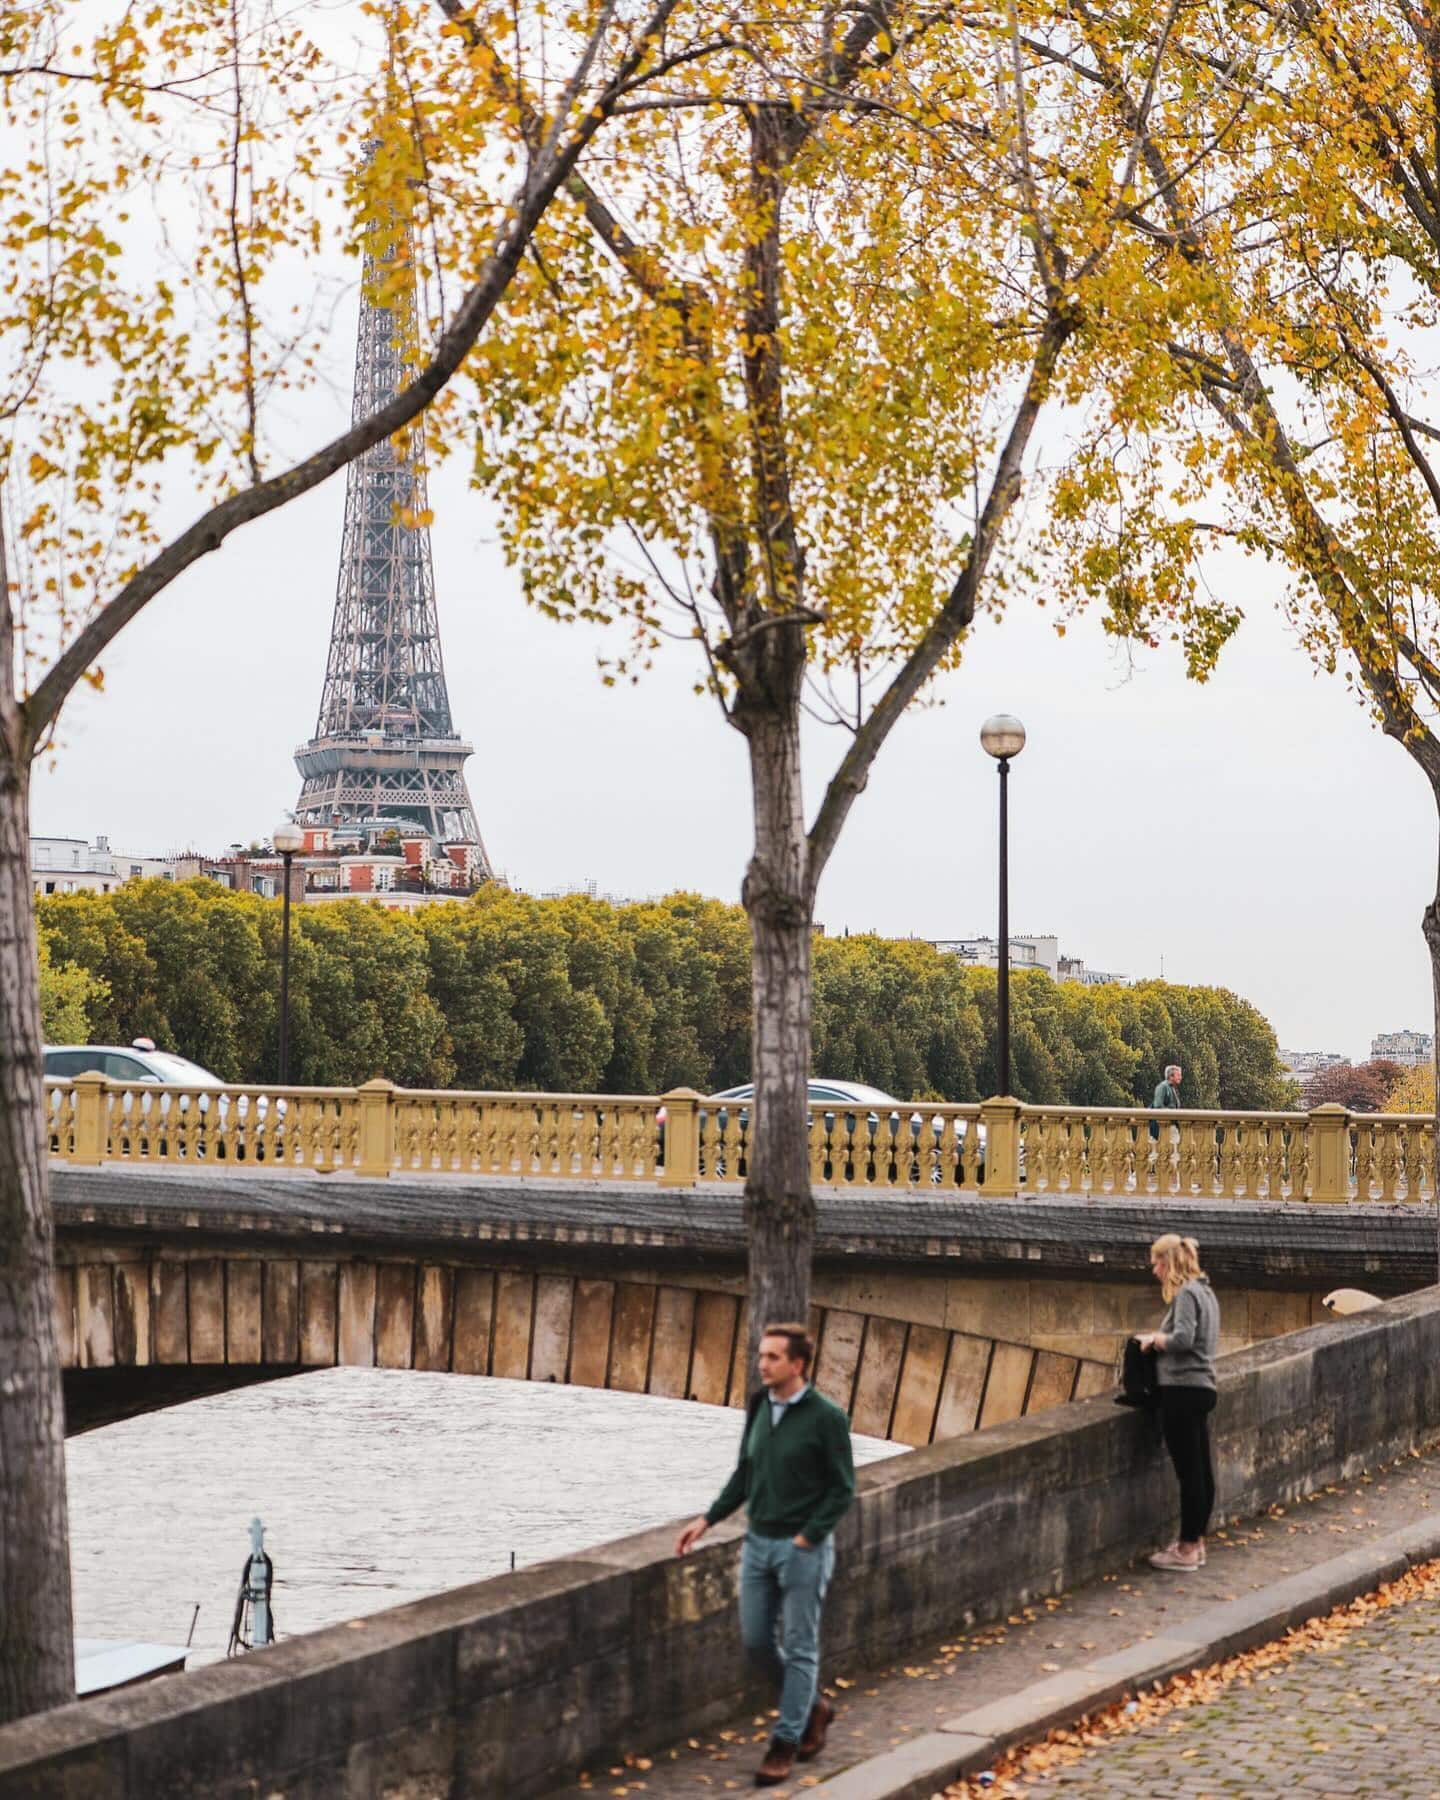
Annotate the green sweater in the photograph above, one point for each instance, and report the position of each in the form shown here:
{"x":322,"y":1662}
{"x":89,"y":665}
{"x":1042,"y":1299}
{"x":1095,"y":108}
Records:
{"x":797,"y":1478}
{"x":1166,"y":1095}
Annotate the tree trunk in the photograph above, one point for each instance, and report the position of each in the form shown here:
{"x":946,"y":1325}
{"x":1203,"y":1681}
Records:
{"x":1430,"y":925}
{"x":779,"y":1207}
{"x":36,"y":1652}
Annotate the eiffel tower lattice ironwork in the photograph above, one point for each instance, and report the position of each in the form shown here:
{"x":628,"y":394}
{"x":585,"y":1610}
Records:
{"x":385,"y":752}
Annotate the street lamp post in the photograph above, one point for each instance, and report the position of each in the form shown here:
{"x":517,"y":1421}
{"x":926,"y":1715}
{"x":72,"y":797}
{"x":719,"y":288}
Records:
{"x":1003,"y":737}
{"x":287,"y":839}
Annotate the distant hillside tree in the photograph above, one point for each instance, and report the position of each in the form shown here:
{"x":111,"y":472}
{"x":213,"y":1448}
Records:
{"x":1361,"y":1087}
{"x":1414,"y":1092}
{"x":68,"y":997}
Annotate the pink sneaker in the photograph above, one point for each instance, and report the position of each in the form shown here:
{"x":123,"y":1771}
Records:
{"x":1178,"y":1561}
{"x":1174,"y":1544}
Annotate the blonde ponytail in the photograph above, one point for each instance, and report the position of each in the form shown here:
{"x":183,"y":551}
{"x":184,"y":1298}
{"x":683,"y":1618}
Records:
{"x":1181,"y":1257}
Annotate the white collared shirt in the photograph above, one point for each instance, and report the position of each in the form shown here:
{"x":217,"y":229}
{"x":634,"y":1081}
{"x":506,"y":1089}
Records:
{"x":777,"y":1407}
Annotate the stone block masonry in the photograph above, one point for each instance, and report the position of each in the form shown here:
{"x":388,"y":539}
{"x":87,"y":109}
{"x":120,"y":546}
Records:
{"x":506,"y":1687}
{"x":143,"y":1327}
{"x":169,"y":1286}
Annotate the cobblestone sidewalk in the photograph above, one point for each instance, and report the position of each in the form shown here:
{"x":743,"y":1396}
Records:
{"x":1363,"y":1719}
{"x":885,"y":1707}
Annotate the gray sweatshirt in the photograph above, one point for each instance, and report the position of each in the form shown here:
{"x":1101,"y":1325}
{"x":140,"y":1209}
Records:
{"x":1192,"y":1332}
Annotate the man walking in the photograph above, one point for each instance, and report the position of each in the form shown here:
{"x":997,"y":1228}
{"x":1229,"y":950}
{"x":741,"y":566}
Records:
{"x":796,"y":1478}
{"x":1167,"y":1095}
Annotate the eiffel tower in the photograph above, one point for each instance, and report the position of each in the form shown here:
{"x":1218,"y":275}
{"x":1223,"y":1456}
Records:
{"x":385,"y":753}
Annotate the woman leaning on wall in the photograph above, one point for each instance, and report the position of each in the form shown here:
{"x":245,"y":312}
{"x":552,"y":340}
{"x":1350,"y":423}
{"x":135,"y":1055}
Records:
{"x":1184,"y":1349}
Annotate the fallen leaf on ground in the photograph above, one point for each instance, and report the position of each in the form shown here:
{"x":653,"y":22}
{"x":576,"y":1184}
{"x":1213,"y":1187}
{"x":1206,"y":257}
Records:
{"x":1325,"y":1636}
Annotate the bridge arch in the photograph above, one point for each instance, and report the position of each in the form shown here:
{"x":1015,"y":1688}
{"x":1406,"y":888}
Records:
{"x":140,"y":1330}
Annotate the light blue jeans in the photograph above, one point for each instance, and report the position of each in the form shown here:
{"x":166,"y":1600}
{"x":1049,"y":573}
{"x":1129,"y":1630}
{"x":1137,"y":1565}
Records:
{"x":782,"y":1593}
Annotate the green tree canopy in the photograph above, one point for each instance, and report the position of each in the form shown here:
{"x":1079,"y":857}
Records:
{"x":68,"y":997}
{"x":506,"y":991}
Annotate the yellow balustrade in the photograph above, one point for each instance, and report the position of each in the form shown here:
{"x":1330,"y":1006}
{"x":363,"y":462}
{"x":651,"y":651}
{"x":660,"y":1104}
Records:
{"x":60,"y":1103}
{"x":680,"y":1138}
{"x":925,"y":1146}
{"x":1391,"y":1157}
{"x":587,"y":1137}
{"x":378,"y":1129}
{"x":93,"y":1120}
{"x":1095,"y":1151}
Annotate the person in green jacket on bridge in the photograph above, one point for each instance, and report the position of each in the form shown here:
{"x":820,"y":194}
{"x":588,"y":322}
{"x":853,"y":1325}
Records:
{"x":796,"y":1479}
{"x":1167,"y":1095}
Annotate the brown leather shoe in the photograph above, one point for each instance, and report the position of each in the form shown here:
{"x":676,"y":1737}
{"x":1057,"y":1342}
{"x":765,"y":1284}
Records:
{"x":779,"y":1760}
{"x":816,"y":1726}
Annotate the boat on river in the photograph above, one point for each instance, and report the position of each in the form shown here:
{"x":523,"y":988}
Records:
{"x":104,"y":1664}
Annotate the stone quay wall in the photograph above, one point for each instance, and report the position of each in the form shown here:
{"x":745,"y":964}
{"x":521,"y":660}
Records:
{"x":506,"y":1687}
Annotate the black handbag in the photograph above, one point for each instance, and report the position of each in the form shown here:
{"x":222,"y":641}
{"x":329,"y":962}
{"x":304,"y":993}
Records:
{"x":1140,"y":1382}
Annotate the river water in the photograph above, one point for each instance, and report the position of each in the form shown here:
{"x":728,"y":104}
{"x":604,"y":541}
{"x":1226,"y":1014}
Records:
{"x":376,"y":1487}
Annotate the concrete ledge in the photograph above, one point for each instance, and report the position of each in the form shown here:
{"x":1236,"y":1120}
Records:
{"x":974,"y":1740}
{"x":509,"y":1686}
{"x":1284,"y":1244}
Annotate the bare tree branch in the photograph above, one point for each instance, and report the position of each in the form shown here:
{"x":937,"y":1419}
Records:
{"x":1045,"y":259}
{"x":173,"y":89}
{"x":782,"y":557}
{"x":1211,"y":372}
{"x":796,"y":615}
{"x":849,"y":779}
{"x":11,"y":721}
{"x":1147,"y":99}
{"x":237,"y":252}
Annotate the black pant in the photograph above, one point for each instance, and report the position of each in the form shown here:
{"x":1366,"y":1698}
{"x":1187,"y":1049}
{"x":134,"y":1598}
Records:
{"x":1185,"y":1419}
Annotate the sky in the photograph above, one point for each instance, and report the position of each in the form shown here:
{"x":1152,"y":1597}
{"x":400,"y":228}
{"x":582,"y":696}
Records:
{"x":1255,"y":833}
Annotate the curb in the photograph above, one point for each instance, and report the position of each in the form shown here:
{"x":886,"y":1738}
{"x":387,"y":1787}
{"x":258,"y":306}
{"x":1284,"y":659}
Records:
{"x":974,"y":1740}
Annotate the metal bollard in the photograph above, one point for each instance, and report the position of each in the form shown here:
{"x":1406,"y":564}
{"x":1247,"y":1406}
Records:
{"x":254,"y":1625}
{"x":259,"y":1572}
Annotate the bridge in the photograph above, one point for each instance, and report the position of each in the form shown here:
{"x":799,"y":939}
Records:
{"x":936,"y":1312}
{"x":677,"y":1139}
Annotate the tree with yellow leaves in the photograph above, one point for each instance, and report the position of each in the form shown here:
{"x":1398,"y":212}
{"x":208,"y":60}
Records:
{"x":1414,"y":1092}
{"x":789,"y":349}
{"x":1291,"y":410}
{"x":170,"y":179}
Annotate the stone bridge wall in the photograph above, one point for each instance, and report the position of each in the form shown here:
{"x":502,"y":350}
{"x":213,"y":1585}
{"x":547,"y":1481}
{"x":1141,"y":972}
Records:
{"x":507,"y":1686}
{"x":173,"y":1285}
{"x":909,"y":1381}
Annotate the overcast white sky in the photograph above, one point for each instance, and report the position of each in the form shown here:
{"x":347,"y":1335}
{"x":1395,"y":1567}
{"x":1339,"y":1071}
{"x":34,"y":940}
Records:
{"x":1255,"y":833}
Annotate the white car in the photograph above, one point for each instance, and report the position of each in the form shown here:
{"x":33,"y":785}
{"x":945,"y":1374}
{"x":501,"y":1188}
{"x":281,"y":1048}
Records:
{"x":140,"y":1063}
{"x":136,"y":1062}
{"x":819,"y":1091}
{"x":848,"y":1097}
